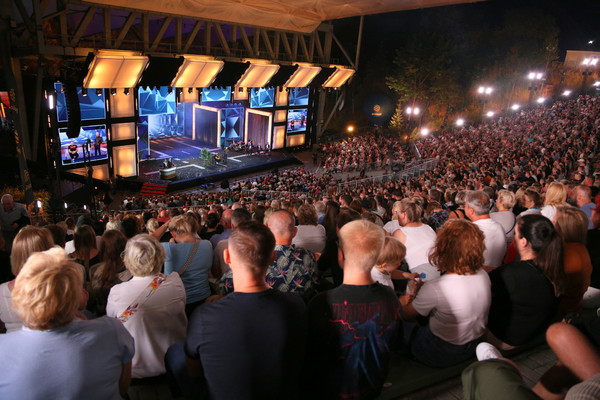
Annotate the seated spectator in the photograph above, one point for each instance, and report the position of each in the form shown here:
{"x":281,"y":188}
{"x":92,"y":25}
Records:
{"x":293,"y":270}
{"x":583,"y":199}
{"x":504,"y":216}
{"x":456,"y":303}
{"x":437,"y":215}
{"x":532,"y":201}
{"x":556,"y":195}
{"x":571,"y":223}
{"x":393,"y":225}
{"x":309,"y":234}
{"x":418,"y":239}
{"x":58,"y":356}
{"x":354,"y":324}
{"x":58,"y":234}
{"x":249,"y":344}
{"x":191,"y":257}
{"x":151,"y":306}
{"x":219,"y":266}
{"x":109,"y":272}
{"x":389,"y":260}
{"x":86,"y":252}
{"x":525,"y":293}
{"x":29,"y":240}
{"x":477,"y":209}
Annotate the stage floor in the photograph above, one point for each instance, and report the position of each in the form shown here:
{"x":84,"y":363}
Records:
{"x":191,"y":169}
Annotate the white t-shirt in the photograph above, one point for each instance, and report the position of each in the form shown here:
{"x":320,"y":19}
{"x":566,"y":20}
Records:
{"x":159,"y":323}
{"x":549,"y":212}
{"x":391,"y":226}
{"x":495,"y":241}
{"x":7,"y":314}
{"x":419,"y":241}
{"x":458,"y":306}
{"x":380,"y":277}
{"x":310,"y":237}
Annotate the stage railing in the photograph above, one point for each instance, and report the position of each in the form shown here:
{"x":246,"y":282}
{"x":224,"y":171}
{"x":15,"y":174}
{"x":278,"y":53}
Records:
{"x":414,"y":171}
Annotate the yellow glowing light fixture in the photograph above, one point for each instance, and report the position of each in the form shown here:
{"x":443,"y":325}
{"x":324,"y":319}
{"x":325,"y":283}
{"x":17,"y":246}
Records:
{"x":339,"y":77}
{"x":115,"y":69}
{"x":303,"y":75}
{"x":258,"y":74}
{"x":197,"y":71}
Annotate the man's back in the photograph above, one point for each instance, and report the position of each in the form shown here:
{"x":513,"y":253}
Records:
{"x":351,"y":330}
{"x":250,"y":345}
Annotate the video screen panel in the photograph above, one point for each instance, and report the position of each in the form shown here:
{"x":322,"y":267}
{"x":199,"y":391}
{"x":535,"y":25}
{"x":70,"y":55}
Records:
{"x":90,"y":145}
{"x":296,"y":120}
{"x":92,"y":105}
{"x":216,"y":94}
{"x":153,"y":101}
{"x":263,"y":97}
{"x":299,"y":97}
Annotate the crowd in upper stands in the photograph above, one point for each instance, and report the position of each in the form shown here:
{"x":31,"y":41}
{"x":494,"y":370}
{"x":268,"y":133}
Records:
{"x":290,"y":278}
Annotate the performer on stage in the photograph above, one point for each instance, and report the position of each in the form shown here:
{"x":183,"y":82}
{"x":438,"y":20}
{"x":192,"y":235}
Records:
{"x":168,"y":163}
{"x":73,"y":150}
{"x":98,"y":144}
{"x":86,"y":147}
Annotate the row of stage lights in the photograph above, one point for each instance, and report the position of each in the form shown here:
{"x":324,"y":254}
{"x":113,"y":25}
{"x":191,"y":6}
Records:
{"x":126,"y":91}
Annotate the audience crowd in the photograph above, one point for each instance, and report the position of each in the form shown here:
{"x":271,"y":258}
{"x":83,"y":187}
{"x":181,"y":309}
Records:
{"x":290,"y":285}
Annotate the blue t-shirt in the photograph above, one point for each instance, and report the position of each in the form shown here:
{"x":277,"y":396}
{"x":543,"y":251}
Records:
{"x":195,"y":277}
{"x":82,"y":360}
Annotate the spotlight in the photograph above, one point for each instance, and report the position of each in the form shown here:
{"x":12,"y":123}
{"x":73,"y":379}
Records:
{"x":515,"y":107}
{"x":38,"y":204}
{"x":490,"y":114}
{"x":113,"y":91}
{"x":425,"y":131}
{"x":126,"y":91}
{"x":51,"y":101}
{"x":98,"y":92}
{"x":541,"y":100}
{"x":84,"y":92}
{"x":460,"y":122}
{"x":65,"y":205}
{"x":566,"y":93}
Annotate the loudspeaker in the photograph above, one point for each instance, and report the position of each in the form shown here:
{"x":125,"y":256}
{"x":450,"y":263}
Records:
{"x":225,"y":184}
{"x":73,"y":110}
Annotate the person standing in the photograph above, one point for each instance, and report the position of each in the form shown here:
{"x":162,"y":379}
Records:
{"x":98,"y":144}
{"x":13,"y":216}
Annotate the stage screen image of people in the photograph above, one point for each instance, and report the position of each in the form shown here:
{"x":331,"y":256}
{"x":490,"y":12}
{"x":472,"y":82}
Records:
{"x":296,"y":120}
{"x":90,"y":145}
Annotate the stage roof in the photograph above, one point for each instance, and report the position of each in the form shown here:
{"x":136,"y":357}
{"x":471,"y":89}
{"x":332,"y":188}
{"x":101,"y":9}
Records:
{"x":297,"y":15}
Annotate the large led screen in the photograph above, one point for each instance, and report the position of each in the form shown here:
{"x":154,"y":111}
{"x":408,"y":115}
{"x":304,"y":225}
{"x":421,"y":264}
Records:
{"x":298,"y":97}
{"x":92,"y":105}
{"x":296,"y":120}
{"x":216,"y":94}
{"x":262,"y":98}
{"x":153,"y":101}
{"x":90,"y":145}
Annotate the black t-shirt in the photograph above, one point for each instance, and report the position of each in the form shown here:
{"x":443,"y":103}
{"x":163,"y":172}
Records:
{"x":351,"y":330}
{"x":251,"y":345}
{"x":523,"y":302}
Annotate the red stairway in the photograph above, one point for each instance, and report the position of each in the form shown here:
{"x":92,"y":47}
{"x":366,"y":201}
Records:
{"x":152,"y":189}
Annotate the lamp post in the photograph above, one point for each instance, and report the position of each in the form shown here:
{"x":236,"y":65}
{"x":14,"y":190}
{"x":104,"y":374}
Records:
{"x":484,"y":93}
{"x":534,"y":78}
{"x":588,"y":63}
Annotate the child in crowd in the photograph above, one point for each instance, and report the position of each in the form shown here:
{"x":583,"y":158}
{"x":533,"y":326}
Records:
{"x":389,"y":260}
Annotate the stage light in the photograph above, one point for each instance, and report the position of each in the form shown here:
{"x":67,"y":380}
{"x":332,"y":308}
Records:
{"x":425,"y":131}
{"x":460,"y":122}
{"x":541,"y":100}
{"x":115,"y":69}
{"x":126,"y":91}
{"x":38,"y":204}
{"x":303,"y":76}
{"x":350,"y":128}
{"x":84,"y":92}
{"x":340,"y":76}
{"x":416,"y":111}
{"x":597,"y":83}
{"x":65,"y":205}
{"x":566,"y":93}
{"x":51,"y":102}
{"x":490,"y":114}
{"x":113,"y":91}
{"x":258,"y":74}
{"x":197,"y":71}
{"x":98,"y":92}
{"x":515,"y":107}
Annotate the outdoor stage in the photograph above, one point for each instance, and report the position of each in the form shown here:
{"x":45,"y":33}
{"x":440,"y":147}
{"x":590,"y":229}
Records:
{"x":192,"y":170}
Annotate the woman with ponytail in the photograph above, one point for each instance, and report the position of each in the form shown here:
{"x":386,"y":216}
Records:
{"x":525,"y":293}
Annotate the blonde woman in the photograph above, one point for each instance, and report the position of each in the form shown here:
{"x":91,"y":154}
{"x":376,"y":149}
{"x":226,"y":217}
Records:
{"x":556,"y":195}
{"x":504,"y":216}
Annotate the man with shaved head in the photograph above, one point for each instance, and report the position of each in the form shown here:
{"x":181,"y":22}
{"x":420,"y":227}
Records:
{"x":294,"y":269}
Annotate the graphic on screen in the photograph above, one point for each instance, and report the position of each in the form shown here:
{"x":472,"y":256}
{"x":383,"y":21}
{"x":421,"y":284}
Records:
{"x":262,"y":98}
{"x":216,"y":94}
{"x":298,"y":97}
{"x":296,"y":120}
{"x":90,"y":145}
{"x":142,"y":140}
{"x":231,"y":124}
{"x":91,"y":105}
{"x":154,"y":101}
